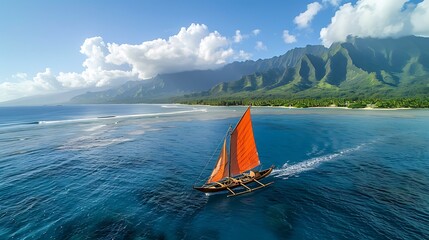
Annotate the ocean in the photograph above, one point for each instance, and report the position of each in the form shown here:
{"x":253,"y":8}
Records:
{"x":127,"y":171}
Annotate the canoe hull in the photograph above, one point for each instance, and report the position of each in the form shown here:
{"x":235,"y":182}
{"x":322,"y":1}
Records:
{"x":226,"y":183}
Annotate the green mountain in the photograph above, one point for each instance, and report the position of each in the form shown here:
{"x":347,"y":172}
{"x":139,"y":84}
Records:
{"x":357,"y":68}
{"x":164,"y":86}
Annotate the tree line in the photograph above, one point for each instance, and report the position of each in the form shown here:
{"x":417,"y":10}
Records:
{"x":422,"y":102}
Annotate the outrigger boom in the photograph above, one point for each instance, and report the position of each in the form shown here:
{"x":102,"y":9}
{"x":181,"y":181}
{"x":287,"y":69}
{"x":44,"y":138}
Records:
{"x":230,"y":183}
{"x":247,"y":191}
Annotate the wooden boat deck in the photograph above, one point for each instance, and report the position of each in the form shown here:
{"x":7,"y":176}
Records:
{"x":227,"y":184}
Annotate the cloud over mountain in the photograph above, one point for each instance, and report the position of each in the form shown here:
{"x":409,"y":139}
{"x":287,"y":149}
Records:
{"x":98,"y":72}
{"x":108,"y":64}
{"x":378,"y":19}
{"x":192,"y":48}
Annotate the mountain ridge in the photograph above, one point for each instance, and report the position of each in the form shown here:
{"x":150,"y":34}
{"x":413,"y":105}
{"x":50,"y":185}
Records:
{"x":164,"y":86}
{"x":357,"y":68}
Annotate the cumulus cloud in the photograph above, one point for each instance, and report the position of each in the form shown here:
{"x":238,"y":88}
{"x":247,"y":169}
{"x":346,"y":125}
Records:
{"x":242,"y":55}
{"x":303,"y":19}
{"x":378,"y":19}
{"x":107,"y":64}
{"x":420,"y":19}
{"x":98,"y":72}
{"x":288,"y":38}
{"x":238,"y":37}
{"x":256,"y":32}
{"x":22,"y":85}
{"x":192,"y":48}
{"x":46,"y":81}
{"x":260,"y":46}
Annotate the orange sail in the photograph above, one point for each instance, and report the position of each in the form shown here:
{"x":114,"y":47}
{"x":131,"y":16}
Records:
{"x":243,"y":153}
{"x":220,"y":171}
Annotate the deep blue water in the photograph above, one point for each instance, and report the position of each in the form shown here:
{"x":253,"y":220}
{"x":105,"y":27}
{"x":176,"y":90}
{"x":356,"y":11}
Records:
{"x":78,"y":172}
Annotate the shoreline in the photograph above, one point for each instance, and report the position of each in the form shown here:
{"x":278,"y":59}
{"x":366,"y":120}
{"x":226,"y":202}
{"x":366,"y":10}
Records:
{"x":291,"y":107}
{"x":366,"y":108}
{"x":334,"y":103}
{"x":210,"y":105}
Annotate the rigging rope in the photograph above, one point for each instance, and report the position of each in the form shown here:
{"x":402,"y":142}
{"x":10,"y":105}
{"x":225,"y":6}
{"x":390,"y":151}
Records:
{"x":207,"y":163}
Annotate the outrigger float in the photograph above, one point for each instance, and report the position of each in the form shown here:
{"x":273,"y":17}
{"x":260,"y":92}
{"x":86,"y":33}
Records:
{"x":237,"y":169}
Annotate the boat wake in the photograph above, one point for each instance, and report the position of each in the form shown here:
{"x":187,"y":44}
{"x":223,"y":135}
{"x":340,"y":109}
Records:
{"x":287,"y":170}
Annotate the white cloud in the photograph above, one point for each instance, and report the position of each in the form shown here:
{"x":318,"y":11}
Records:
{"x":242,"y":55}
{"x":43,"y":82}
{"x":192,"y":48}
{"x":378,"y":19}
{"x":108,"y":64}
{"x":12,"y":90}
{"x":20,"y":76}
{"x":46,"y":81}
{"x":260,"y":46}
{"x":238,"y":37}
{"x":420,"y":19}
{"x":98,"y":72}
{"x":334,"y":3}
{"x":303,"y":19}
{"x":256,"y":32}
{"x":288,"y":38}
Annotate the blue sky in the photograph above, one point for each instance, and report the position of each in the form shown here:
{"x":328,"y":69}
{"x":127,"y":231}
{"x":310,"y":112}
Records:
{"x":49,"y":46}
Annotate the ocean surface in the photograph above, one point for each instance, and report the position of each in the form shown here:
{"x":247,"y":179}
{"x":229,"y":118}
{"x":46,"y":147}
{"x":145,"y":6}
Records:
{"x":127,"y":171}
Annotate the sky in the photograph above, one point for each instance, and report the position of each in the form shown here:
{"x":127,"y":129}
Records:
{"x":50,"y":46}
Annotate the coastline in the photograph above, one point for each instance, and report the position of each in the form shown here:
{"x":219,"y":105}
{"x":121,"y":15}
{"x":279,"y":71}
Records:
{"x":292,"y":107}
{"x":366,"y":108}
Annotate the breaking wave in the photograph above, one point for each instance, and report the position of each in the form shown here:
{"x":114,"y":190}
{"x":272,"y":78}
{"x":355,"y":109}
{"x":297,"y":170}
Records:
{"x":95,"y":128}
{"x":123,"y":116}
{"x":171,"y":106}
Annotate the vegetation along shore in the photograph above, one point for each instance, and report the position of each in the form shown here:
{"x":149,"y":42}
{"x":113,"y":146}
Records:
{"x":311,"y":102}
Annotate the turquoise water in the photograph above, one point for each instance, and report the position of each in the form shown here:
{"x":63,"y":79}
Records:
{"x":126,"y":172}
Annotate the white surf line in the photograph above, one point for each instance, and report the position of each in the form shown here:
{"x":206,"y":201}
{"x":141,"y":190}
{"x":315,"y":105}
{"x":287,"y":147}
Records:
{"x":287,"y":171}
{"x":171,"y":105}
{"x":122,"y":116}
{"x":92,"y":129}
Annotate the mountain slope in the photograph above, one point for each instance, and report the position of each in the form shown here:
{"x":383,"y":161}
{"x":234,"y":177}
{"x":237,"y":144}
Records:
{"x":164,"y":86}
{"x":357,"y":68}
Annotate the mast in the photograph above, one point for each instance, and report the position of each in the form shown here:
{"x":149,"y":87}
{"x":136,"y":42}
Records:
{"x":229,"y":155}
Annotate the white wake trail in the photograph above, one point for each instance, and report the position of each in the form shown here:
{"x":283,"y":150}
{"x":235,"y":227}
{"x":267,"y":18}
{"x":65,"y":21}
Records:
{"x":287,"y":170}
